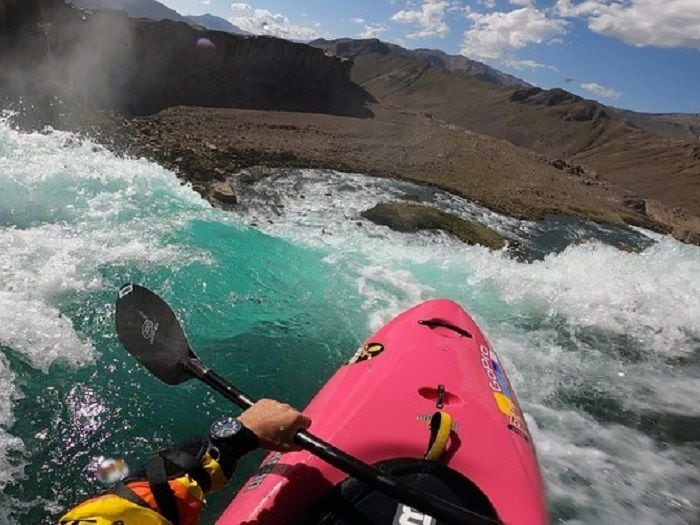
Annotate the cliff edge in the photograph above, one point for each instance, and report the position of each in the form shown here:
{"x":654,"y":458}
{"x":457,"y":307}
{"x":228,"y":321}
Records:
{"x":54,"y":55}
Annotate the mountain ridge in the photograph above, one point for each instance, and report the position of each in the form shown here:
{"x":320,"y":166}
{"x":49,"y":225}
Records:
{"x":216,"y":23}
{"x":458,"y":64}
{"x":154,"y":10}
{"x":150,"y":9}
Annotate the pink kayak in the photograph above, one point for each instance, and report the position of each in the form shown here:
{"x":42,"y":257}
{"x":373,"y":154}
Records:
{"x":431,"y":358}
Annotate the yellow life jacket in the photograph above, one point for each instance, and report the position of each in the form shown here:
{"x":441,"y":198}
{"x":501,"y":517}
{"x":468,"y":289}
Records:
{"x":112,"y":510}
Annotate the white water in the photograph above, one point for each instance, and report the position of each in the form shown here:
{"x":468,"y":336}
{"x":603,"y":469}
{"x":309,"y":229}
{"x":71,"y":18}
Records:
{"x":595,"y":340}
{"x":67,"y":208}
{"x":589,"y":321}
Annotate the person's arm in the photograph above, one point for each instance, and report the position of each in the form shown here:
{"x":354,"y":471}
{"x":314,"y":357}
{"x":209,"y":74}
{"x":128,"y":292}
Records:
{"x":172,"y":487}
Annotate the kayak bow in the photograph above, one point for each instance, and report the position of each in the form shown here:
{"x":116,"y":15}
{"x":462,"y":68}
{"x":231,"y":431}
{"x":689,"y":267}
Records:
{"x":431,"y":359}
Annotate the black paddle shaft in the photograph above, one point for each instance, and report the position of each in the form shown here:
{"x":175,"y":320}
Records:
{"x":391,"y":486}
{"x":151,"y":332}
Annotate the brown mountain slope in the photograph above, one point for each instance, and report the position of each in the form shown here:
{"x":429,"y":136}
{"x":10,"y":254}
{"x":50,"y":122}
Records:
{"x":669,"y":125}
{"x":457,"y":64}
{"x":555,"y":123}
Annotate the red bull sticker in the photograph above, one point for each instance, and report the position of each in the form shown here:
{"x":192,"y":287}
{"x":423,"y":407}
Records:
{"x":502,"y":391}
{"x":366,"y":352}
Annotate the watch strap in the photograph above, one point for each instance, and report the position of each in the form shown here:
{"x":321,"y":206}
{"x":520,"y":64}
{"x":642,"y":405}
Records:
{"x":234,"y":447}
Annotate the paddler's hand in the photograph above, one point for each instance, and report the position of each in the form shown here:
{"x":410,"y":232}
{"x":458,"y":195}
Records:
{"x":275,"y":424}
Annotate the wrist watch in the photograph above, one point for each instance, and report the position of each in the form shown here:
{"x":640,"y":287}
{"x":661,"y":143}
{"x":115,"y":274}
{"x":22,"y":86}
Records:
{"x":231,"y":432}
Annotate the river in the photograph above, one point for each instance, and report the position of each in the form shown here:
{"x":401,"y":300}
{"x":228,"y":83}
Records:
{"x":602,"y":345}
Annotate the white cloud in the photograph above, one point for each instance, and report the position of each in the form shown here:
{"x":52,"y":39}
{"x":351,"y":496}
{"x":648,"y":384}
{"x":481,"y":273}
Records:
{"x":527,"y":64}
{"x":429,"y":17}
{"x":660,"y":23}
{"x":601,"y":91}
{"x":264,"y":22}
{"x":373,"y":30}
{"x":370,"y":29}
{"x":522,"y":3}
{"x":206,"y":2}
{"x":494,"y":35}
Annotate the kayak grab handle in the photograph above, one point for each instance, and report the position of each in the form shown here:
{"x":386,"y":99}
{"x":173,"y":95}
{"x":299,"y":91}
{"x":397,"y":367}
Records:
{"x":439,"y":323}
{"x":424,"y":502}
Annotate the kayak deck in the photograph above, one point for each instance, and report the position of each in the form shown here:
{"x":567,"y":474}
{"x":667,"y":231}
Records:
{"x":378,"y":407}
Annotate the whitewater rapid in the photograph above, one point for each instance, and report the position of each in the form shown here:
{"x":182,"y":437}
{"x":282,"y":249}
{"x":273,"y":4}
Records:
{"x":603,"y":346}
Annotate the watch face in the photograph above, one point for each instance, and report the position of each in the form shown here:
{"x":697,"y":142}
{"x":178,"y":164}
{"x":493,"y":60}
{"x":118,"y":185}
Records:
{"x":225,"y":427}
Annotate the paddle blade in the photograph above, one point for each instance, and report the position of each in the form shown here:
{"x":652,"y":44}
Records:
{"x":149,"y":330}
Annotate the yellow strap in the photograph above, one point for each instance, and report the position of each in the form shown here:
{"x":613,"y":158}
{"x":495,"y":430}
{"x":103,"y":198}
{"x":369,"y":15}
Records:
{"x":216,"y":473}
{"x":109,"y":509}
{"x":440,"y":429}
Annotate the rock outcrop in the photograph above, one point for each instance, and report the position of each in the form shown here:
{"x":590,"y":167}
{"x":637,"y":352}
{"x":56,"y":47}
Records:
{"x":571,"y":107}
{"x":404,"y":217}
{"x":106,"y":60}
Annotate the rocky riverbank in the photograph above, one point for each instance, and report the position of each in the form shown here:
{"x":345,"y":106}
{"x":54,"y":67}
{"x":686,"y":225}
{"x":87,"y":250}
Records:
{"x":208,"y":145}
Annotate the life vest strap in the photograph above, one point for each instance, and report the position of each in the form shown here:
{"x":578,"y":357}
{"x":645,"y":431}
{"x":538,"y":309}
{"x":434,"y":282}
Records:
{"x":161,"y":489}
{"x":126,"y":493}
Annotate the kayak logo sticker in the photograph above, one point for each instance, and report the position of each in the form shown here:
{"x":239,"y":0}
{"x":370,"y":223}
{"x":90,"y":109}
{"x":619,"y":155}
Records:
{"x":149,"y":329}
{"x":366,"y":352}
{"x":406,"y":515}
{"x":502,"y":391}
{"x":125,"y":290}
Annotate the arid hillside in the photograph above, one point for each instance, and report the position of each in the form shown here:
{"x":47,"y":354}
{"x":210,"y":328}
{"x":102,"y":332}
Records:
{"x":653,"y":156}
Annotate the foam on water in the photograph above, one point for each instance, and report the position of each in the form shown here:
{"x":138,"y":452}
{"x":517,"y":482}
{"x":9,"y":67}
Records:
{"x":601,"y":344}
{"x":651,"y":296}
{"x":68,"y":210}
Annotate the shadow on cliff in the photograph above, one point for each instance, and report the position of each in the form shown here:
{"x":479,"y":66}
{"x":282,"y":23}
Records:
{"x":58,"y":59}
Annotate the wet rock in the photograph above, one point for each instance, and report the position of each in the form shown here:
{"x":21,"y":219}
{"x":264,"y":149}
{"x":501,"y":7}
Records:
{"x":404,"y":217}
{"x":200,"y":188}
{"x":689,"y":237}
{"x":518,"y":251}
{"x":223,"y":192}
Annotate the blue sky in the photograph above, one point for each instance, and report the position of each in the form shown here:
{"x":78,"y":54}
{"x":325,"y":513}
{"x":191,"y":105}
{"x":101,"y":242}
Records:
{"x":636,"y":54}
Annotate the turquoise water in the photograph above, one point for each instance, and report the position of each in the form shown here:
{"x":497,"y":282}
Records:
{"x":603,"y":346}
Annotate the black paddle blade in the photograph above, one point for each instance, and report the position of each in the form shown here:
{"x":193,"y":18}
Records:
{"x":149,"y":330}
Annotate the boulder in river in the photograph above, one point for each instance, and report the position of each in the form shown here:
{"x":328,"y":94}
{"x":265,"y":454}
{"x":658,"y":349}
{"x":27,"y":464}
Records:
{"x":404,"y":217}
{"x":223,"y":193}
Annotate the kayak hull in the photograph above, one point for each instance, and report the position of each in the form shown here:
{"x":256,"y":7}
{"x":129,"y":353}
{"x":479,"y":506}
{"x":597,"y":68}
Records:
{"x":378,"y":407}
